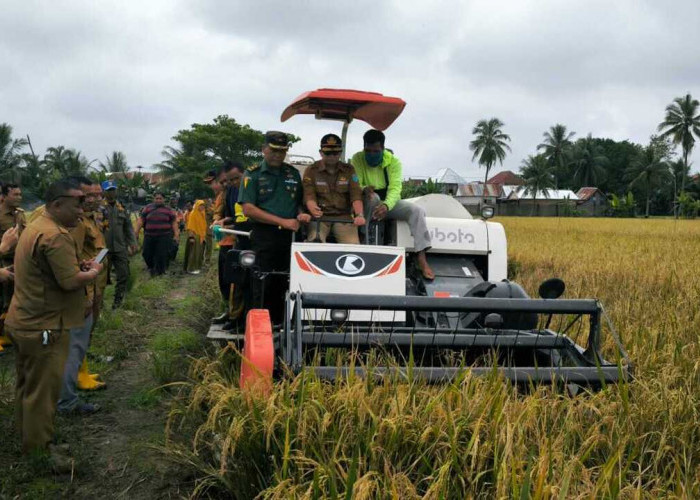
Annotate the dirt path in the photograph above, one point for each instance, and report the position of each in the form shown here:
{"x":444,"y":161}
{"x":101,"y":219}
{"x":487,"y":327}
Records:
{"x":117,"y":451}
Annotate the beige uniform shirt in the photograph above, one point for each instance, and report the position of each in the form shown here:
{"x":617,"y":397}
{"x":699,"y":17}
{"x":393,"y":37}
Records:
{"x":333,"y":192}
{"x":46,"y":260}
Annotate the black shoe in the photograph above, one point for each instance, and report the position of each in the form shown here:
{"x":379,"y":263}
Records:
{"x":231,"y":326}
{"x":86,"y":409}
{"x":220,"y":319}
{"x":82,"y":409}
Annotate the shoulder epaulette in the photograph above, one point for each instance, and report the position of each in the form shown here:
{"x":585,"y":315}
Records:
{"x":253,"y":168}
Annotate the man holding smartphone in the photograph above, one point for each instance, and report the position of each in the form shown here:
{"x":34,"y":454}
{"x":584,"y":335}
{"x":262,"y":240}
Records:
{"x":90,"y":244}
{"x":49,"y":300}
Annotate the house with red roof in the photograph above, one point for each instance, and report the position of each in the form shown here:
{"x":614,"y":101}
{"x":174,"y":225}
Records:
{"x":506,"y":178}
{"x":592,"y":201}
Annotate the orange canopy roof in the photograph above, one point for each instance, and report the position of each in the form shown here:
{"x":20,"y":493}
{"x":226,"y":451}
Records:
{"x":337,"y":104}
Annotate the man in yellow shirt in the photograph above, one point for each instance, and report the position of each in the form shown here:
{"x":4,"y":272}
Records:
{"x":380,"y":176}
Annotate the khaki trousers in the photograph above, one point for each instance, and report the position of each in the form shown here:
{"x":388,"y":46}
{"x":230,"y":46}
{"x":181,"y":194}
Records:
{"x":39,"y":376}
{"x":344,"y":233}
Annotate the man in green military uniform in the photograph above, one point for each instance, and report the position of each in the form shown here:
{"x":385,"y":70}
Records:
{"x":49,"y":299}
{"x":11,"y":216}
{"x":271,"y":195}
{"x":119,"y":235}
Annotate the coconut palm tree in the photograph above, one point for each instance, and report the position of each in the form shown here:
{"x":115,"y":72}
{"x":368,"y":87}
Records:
{"x":489,"y":145}
{"x":183,"y":169}
{"x":557,"y":148}
{"x":63,"y":162}
{"x":116,"y":163}
{"x":648,"y":171}
{"x":538,"y":174}
{"x":589,"y":162}
{"x":682,"y":125}
{"x":10,"y":153}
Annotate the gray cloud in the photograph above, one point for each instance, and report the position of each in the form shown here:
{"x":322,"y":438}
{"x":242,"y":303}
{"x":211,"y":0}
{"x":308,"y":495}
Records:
{"x":101,"y":76}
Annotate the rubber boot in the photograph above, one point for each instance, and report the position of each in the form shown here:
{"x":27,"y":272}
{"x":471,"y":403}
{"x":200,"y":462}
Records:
{"x":85,"y":381}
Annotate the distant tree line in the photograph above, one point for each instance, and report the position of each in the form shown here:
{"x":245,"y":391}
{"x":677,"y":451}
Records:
{"x":656,"y":174}
{"x":652,"y":178}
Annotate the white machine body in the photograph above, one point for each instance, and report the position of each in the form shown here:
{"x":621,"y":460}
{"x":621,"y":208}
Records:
{"x":351,"y":269}
{"x":381,"y":270}
{"x":454,"y":231}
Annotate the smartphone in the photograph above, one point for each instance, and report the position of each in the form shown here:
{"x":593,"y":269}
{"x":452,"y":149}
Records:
{"x":101,"y":256}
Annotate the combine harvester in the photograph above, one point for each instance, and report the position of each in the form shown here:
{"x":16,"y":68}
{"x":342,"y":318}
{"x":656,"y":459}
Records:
{"x":346,"y":303}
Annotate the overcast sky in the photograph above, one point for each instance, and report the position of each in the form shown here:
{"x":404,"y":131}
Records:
{"x":123,"y":75}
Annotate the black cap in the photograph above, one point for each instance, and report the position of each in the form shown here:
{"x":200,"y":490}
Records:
{"x":331,"y":143}
{"x":210,"y":176}
{"x":276,"y":140}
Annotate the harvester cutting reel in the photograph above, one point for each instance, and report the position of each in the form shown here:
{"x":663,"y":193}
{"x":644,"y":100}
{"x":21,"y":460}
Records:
{"x":497,"y":328}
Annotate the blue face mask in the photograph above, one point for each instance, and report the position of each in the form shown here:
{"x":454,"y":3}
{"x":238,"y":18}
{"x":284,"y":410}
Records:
{"x":374,"y":159}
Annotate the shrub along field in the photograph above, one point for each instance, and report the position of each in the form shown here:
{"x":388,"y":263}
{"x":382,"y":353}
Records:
{"x":480,"y":437}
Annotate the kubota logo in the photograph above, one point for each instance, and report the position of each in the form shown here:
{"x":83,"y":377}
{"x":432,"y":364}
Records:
{"x":457,"y":236}
{"x":350,"y":264}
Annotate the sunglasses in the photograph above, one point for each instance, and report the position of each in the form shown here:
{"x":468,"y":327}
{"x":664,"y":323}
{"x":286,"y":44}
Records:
{"x":330,"y":153}
{"x":81,"y":199}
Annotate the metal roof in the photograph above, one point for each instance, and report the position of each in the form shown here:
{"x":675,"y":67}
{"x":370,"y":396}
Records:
{"x":448,"y":176}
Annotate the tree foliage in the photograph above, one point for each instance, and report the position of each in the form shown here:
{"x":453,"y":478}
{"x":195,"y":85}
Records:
{"x":115,"y":163}
{"x":649,"y":171}
{"x":10,"y":154}
{"x":556,"y":148}
{"x":489,"y":145}
{"x":682,"y":125}
{"x":204,"y":147}
{"x":538,"y":174}
{"x":411,"y":190}
{"x":588,"y":163}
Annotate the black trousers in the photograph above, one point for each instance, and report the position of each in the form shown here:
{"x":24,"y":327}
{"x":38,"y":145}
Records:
{"x":223,"y":284}
{"x":272,"y":247}
{"x":156,"y":251}
{"x":242,"y":243}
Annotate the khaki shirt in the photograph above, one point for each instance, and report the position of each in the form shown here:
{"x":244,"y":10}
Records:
{"x":45,"y":260}
{"x":334,"y":193}
{"x":220,"y":213}
{"x":93,"y":242}
{"x":8,"y":218}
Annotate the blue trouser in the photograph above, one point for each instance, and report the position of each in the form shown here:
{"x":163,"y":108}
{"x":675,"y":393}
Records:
{"x":78,"y":345}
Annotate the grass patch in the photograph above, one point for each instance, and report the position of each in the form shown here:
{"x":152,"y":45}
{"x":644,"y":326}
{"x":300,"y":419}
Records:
{"x":170,"y":350}
{"x":146,"y":398}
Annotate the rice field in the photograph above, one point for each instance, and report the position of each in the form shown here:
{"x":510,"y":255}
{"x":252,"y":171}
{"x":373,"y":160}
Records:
{"x":480,"y":438}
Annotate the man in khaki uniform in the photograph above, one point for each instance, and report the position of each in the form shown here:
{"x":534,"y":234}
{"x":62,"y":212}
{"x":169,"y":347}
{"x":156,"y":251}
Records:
{"x":331,"y":188}
{"x":49,"y":299}
{"x":11,"y":218}
{"x":89,"y":241}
